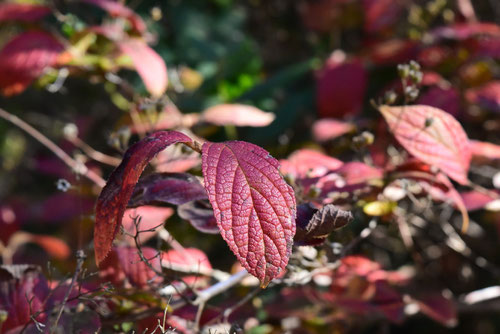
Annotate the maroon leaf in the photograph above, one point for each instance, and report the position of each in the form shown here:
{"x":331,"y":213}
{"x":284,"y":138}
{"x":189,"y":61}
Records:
{"x":486,"y":96}
{"x":148,"y":63}
{"x":446,"y":99}
{"x":117,"y":9}
{"x":314,"y":226}
{"x":438,"y":308}
{"x":328,"y":129}
{"x":23,"y":291}
{"x":22,"y":12}
{"x":238,"y":115}
{"x":200,"y":215}
{"x":253,"y":205}
{"x":24,"y":58}
{"x":115,"y":195}
{"x":309,"y":163}
{"x":340,"y":88}
{"x":432,"y":136}
{"x":138,"y":272}
{"x":171,"y":188}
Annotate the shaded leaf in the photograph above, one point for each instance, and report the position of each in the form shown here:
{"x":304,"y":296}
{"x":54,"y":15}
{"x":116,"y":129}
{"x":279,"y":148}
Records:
{"x":340,"y":88}
{"x":24,"y":59}
{"x":438,"y":308}
{"x":238,"y":115}
{"x":22,"y":12}
{"x":200,"y":215}
{"x":446,"y":99}
{"x":432,"y":136}
{"x":314,"y":226}
{"x":253,"y":205}
{"x":328,"y":129}
{"x":381,"y":14}
{"x":171,"y":188}
{"x":148,"y":63}
{"x":116,"y":194}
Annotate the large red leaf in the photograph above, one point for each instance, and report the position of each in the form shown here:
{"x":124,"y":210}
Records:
{"x":115,"y":195}
{"x":22,"y":12}
{"x":433,"y":136}
{"x":237,"y":114}
{"x":24,"y":58}
{"x":148,"y":64}
{"x":253,"y":205}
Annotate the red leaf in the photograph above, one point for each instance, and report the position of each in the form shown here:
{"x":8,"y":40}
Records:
{"x":238,"y":115}
{"x":328,"y":129}
{"x":486,"y":96}
{"x":137,"y":272}
{"x":446,"y":99}
{"x":115,"y":195}
{"x":22,"y":12}
{"x":340,"y":88}
{"x":253,"y":205}
{"x":309,"y":163}
{"x":117,"y":9}
{"x":24,"y":58}
{"x":151,"y":217}
{"x":148,"y":64}
{"x":432,"y":136}
{"x":23,"y":291}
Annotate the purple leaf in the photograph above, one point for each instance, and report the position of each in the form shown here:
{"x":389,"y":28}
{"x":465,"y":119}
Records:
{"x":253,"y":205}
{"x":314,"y":226}
{"x":447,"y":99}
{"x":115,"y":195}
{"x":171,"y":188}
{"x":200,"y":215}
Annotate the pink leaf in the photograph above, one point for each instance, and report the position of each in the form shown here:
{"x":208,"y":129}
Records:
{"x":151,"y":217}
{"x":432,"y":136}
{"x":328,"y":129}
{"x":238,"y":115}
{"x":24,"y":58}
{"x":309,"y":163}
{"x":115,"y":195}
{"x":481,"y":149}
{"x":148,"y":64}
{"x":253,"y":205}
{"x":341,"y":88}
{"x":117,"y":9}
{"x":462,"y":31}
{"x":486,"y":96}
{"x":138,"y":272}
{"x":22,"y":12}
{"x":475,"y":200}
{"x":188,"y":259}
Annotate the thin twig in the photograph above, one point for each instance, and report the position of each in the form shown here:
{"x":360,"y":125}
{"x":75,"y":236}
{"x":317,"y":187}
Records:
{"x":76,"y":166}
{"x":94,"y":154}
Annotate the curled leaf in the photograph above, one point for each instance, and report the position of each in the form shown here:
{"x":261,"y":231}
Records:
{"x":171,"y":188}
{"x":314,"y":226}
{"x":116,"y":194}
{"x":148,"y":63}
{"x":253,"y":205}
{"x":238,"y":115}
{"x":432,"y":136}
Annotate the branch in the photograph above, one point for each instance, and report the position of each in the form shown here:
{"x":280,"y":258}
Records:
{"x":76,"y":166}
